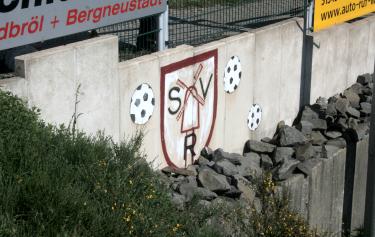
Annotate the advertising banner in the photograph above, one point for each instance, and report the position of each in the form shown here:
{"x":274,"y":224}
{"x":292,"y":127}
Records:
{"x":28,"y":21}
{"x":331,"y":12}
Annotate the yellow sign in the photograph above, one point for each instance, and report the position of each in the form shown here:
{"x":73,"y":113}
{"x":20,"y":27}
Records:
{"x":332,"y":12}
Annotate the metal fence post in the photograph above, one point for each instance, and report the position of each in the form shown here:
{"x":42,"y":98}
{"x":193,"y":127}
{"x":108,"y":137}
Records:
{"x":163,"y":30}
{"x":370,"y":195}
{"x":307,"y":51}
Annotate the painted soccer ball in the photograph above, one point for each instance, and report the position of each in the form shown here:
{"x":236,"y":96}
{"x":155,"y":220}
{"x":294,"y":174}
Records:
{"x":142,"y":104}
{"x":232,"y":75}
{"x":255,"y":117}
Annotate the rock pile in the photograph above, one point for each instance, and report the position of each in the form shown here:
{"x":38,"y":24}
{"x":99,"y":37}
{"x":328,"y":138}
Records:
{"x":320,"y":131}
{"x":216,"y":176}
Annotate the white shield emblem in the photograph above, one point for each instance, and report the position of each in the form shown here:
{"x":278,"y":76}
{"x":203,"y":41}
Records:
{"x":188,"y":107}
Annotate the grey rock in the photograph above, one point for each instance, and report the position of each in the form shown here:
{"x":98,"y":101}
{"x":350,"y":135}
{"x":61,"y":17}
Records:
{"x":190,"y":191}
{"x":366,"y":108}
{"x":353,"y":112}
{"x":248,"y":192}
{"x":333,"y":134}
{"x":357,"y":88}
{"x":342,"y":105}
{"x":178,"y":171}
{"x":233,"y":192}
{"x":309,"y":114}
{"x":318,"y":151}
{"x":286,"y":169}
{"x":213,"y":181}
{"x":178,"y":200}
{"x":207,"y":153}
{"x":305,"y":127}
{"x":280,"y":125}
{"x":338,"y":142}
{"x":260,"y":147}
{"x":353,"y":98}
{"x":250,"y":169}
{"x":202,"y":161}
{"x":319,"y":124}
{"x":225,"y":167}
{"x":219,"y":154}
{"x":282,"y":153}
{"x":267,"y":140}
{"x":266,"y":162}
{"x":307,"y":166}
{"x":253,"y":156}
{"x":305,"y":152}
{"x":193,"y":169}
{"x":204,"y":203}
{"x":317,"y":138}
{"x":364,"y":79}
{"x":322,"y":103}
{"x":331,"y":110}
{"x":352,"y":123}
{"x":290,"y":136}
{"x":343,"y":123}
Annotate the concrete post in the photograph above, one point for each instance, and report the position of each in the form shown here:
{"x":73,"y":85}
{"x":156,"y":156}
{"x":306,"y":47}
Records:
{"x":163,"y":30}
{"x":370,"y":195}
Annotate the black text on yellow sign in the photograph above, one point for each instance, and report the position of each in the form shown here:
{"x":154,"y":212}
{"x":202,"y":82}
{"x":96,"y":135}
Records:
{"x":332,"y":12}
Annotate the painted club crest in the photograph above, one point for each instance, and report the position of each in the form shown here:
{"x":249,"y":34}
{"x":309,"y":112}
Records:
{"x":188,"y":107}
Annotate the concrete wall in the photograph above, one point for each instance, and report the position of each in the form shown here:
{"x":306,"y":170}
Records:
{"x":319,"y":198}
{"x":270,"y":59}
{"x":51,"y":79}
{"x":359,"y":187}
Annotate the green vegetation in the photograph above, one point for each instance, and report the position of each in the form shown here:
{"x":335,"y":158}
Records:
{"x":54,"y":182}
{"x":275,"y":218}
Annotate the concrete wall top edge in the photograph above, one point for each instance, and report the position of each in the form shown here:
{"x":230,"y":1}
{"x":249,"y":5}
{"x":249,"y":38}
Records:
{"x":4,"y":82}
{"x":172,"y":51}
{"x":294,"y":20}
{"x":237,"y":37}
{"x":137,"y":60}
{"x":47,"y":52}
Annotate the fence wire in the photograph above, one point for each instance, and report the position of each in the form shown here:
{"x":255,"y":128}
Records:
{"x":196,"y":22}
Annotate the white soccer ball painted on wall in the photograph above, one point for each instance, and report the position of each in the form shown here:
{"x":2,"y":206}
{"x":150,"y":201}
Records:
{"x":232,"y":75}
{"x":255,"y":117}
{"x":188,"y":107}
{"x":142,"y":104}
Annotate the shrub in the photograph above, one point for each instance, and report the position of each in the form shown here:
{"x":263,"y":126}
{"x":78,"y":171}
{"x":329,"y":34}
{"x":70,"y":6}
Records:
{"x":276,"y":219}
{"x":54,"y":184}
